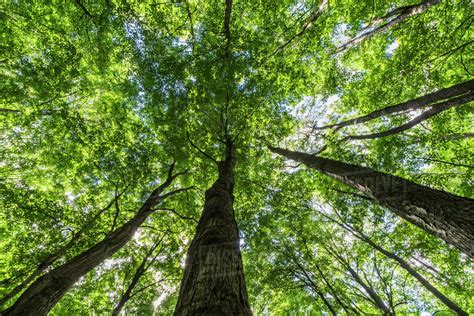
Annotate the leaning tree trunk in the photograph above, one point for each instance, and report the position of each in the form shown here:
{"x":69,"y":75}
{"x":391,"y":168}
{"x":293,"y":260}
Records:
{"x":462,"y":92}
{"x":213,"y":281}
{"x":43,"y":294}
{"x":50,"y":259}
{"x":445,"y":215}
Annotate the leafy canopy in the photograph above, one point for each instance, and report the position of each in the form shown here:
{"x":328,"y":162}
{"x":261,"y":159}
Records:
{"x":99,"y":97}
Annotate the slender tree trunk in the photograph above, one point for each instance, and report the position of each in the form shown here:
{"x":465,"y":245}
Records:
{"x":128,"y":292}
{"x":142,"y":268}
{"x":405,"y":265}
{"x":401,"y":15}
{"x":370,"y":291}
{"x":445,"y":215}
{"x":43,"y":294}
{"x":375,"y":299}
{"x":334,"y":293}
{"x":213,"y":281}
{"x":431,"y":99}
{"x":326,"y":302}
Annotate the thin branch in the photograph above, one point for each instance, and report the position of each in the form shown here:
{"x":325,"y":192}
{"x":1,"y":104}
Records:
{"x":176,"y":192}
{"x":86,"y":12}
{"x":3,"y":110}
{"x":365,"y":197}
{"x":200,"y":150}
{"x":316,"y":14}
{"x":190,"y":18}
{"x":178,"y":214}
{"x":117,"y":211}
{"x":446,"y":162}
{"x":452,"y":51}
{"x":403,"y":14}
{"x":228,"y":12}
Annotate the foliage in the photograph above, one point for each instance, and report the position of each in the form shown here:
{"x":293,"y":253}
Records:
{"x":99,"y":97}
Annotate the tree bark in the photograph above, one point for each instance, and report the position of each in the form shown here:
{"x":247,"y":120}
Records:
{"x":401,"y":15}
{"x":43,"y":294}
{"x":213,"y":281}
{"x":445,"y":215}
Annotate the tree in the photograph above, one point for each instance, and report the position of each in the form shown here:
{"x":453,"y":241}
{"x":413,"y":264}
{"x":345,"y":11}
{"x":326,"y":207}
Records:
{"x":99,"y":97}
{"x":213,"y":263}
{"x":425,"y":207}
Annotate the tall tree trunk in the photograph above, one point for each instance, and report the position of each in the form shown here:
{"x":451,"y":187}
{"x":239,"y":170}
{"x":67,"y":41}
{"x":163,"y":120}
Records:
{"x":445,"y":215}
{"x":43,"y":294}
{"x":213,"y":281}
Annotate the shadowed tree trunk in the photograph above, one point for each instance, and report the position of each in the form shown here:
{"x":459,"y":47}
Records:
{"x":43,"y":294}
{"x":213,"y":281}
{"x":445,"y":215}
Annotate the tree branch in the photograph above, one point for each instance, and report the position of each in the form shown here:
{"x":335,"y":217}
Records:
{"x":86,"y":12}
{"x":309,"y":22}
{"x":228,"y":12}
{"x":178,"y":214}
{"x":200,"y":150}
{"x":443,"y":106}
{"x":402,"y":14}
{"x":190,"y":18}
{"x":423,"y":101}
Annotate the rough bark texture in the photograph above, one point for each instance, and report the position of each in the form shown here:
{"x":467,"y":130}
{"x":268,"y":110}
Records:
{"x":213,"y":281}
{"x":43,"y":294}
{"x":445,"y":215}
